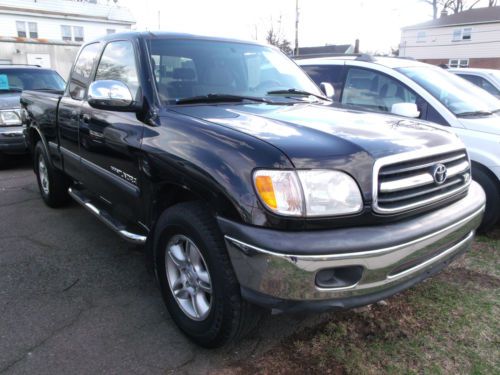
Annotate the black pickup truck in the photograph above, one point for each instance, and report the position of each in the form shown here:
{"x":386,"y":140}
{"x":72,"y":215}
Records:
{"x":247,"y":188}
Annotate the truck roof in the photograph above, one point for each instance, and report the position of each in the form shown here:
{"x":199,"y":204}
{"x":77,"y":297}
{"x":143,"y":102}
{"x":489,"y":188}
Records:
{"x":172,"y":35}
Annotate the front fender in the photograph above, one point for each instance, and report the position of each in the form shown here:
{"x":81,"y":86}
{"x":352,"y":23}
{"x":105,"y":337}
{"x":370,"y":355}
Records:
{"x":209,"y":161}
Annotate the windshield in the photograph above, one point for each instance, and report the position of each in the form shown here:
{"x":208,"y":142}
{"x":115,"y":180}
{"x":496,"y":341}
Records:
{"x":495,"y":74}
{"x":30,"y":79}
{"x":457,"y":94}
{"x":190,"y":68}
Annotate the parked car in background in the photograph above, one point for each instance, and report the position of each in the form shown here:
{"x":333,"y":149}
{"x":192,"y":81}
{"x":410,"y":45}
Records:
{"x":13,"y":80}
{"x":487,"y":79}
{"x":245,"y":185}
{"x":414,"y":89}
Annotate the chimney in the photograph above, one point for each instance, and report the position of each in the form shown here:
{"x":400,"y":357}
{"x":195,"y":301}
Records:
{"x":356,"y":46}
{"x":444,"y":13}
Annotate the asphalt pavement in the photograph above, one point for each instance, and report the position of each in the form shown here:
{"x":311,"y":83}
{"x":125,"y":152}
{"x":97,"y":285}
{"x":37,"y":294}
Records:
{"x":76,"y":299}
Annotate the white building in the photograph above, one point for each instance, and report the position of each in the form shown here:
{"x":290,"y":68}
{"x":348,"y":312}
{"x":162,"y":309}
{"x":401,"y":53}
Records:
{"x":467,"y":39}
{"x":49,"y":32}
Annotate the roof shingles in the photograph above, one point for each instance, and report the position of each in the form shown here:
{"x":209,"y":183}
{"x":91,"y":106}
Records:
{"x":467,"y":17}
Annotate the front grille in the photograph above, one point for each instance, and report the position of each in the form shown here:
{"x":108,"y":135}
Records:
{"x":407,"y":183}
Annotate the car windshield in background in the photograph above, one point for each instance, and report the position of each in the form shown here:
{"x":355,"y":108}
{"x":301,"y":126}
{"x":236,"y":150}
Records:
{"x":30,"y":79}
{"x":458,"y":95}
{"x":186,"y":69}
{"x":495,"y":74}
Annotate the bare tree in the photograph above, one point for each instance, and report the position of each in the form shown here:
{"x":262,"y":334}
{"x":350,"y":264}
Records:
{"x":275,"y":38}
{"x":492,"y":3}
{"x":434,"y":4}
{"x":454,"y":6}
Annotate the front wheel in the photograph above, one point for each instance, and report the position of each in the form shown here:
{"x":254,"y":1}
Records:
{"x":53,"y":184}
{"x":196,"y":277}
{"x":492,"y":191}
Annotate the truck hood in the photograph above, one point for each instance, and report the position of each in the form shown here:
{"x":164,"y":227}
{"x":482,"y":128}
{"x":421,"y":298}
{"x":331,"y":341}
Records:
{"x":314,"y":136}
{"x":10,"y":100}
{"x":490,"y":124}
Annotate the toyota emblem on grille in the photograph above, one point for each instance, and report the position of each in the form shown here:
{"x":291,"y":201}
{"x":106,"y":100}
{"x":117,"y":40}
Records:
{"x":439,"y":173}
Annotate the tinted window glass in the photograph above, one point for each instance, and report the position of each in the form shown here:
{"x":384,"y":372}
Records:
{"x":481,"y":82}
{"x":81,"y":72}
{"x":327,"y":73}
{"x":375,"y":91}
{"x":30,"y":79}
{"x":118,"y":64}
{"x":187,"y":68}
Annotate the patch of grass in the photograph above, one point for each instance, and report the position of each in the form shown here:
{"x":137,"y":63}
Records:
{"x":447,"y":325}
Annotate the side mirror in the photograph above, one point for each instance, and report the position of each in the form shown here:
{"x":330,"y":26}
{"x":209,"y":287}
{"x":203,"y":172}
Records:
{"x":405,"y":109}
{"x":327,"y":89}
{"x":110,"y":95}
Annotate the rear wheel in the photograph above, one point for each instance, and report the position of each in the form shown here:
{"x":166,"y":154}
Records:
{"x":53,"y":184}
{"x":196,"y":277}
{"x":492,"y":190}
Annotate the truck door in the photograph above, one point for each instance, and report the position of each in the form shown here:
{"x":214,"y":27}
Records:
{"x":70,"y":107}
{"x":110,"y":140}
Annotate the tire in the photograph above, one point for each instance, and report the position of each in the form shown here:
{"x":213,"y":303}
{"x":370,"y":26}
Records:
{"x":492,"y":190}
{"x":228,"y":317}
{"x":53,"y":184}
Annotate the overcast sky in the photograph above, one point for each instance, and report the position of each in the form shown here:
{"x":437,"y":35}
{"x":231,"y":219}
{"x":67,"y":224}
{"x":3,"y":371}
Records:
{"x":376,"y":23}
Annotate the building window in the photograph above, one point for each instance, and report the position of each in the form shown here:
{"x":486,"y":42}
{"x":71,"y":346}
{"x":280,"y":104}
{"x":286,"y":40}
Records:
{"x":467,"y":33}
{"x":66,"y":33}
{"x":110,"y":31}
{"x":421,"y":36}
{"x":21,"y":29}
{"x":27,"y":29}
{"x":33,"y":29}
{"x":72,"y":33}
{"x":458,"y":63}
{"x":462,"y":34}
{"x":78,"y":33}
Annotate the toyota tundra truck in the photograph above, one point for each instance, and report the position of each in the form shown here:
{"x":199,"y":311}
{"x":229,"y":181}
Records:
{"x":247,"y":188}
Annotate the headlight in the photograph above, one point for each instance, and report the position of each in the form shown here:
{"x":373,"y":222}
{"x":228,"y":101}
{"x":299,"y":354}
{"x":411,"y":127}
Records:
{"x":308,"y":193}
{"x":328,"y":193}
{"x":10,"y":117}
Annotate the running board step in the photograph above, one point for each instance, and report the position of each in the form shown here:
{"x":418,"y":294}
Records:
{"x":106,"y":218}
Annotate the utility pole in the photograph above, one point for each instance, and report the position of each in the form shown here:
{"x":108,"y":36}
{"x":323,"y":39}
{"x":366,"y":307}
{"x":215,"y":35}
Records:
{"x":296,"y":52}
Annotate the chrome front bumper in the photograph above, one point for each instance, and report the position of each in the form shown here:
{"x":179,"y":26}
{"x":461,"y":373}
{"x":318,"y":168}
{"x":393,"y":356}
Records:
{"x":423,"y":242}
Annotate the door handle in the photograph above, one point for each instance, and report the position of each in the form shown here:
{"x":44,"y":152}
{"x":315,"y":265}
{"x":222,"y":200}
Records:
{"x":85,"y":118}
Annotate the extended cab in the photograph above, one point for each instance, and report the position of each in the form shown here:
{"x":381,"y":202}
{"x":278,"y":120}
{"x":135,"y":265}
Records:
{"x":246,"y":187}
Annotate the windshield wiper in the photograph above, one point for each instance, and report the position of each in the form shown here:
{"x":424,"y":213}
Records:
{"x":474,"y":114}
{"x":218,"y":98}
{"x":296,"y":92}
{"x":12,"y":89}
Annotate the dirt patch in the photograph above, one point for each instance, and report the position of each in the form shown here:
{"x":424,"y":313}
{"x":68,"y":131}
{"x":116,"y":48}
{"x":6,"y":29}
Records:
{"x":469,"y":279}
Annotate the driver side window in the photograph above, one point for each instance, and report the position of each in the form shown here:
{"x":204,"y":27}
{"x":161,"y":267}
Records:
{"x":118,"y":63}
{"x":374,"y":91}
